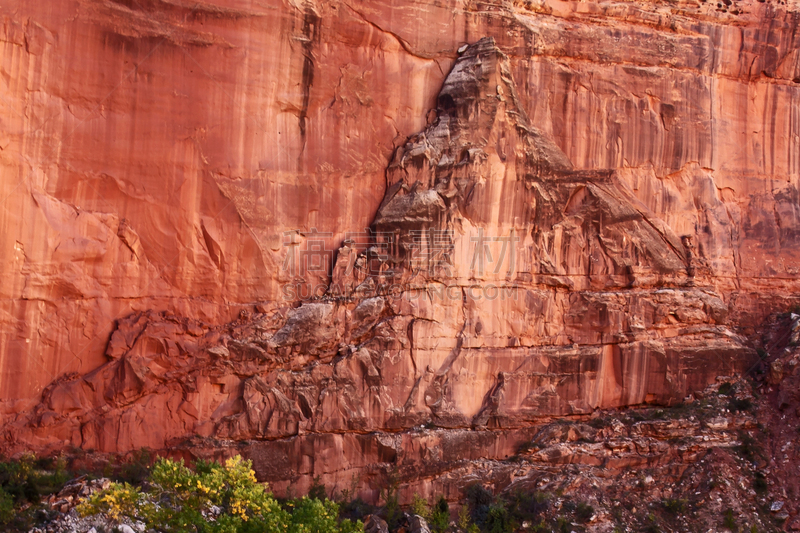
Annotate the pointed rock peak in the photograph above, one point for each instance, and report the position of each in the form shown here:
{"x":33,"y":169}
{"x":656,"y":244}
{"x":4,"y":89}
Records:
{"x":478,"y":105}
{"x":471,"y":76}
{"x":481,"y":77}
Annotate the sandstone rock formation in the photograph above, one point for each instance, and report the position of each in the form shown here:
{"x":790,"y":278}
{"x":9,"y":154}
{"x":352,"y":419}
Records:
{"x":599,"y":199}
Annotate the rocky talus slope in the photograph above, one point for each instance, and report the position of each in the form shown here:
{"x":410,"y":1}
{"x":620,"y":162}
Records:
{"x":571,"y":208}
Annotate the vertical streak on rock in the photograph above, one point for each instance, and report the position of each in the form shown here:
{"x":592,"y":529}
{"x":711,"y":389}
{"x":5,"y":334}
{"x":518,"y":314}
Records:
{"x":410,"y":333}
{"x":776,"y":96}
{"x":310,"y":34}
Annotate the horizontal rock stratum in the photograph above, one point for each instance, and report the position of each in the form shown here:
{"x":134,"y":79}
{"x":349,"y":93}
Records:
{"x":303,"y":230}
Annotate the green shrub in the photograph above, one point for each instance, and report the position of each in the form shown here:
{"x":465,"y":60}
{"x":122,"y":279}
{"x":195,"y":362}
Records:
{"x":27,"y":479}
{"x":496,"y":515}
{"x":6,"y":507}
{"x":735,"y":405}
{"x":18,"y":479}
{"x":760,"y":483}
{"x":318,"y":516}
{"x":356,"y":509}
{"x":726,"y":389}
{"x":351,"y":505}
{"x":498,"y":519}
{"x":675,"y":506}
{"x":464,"y":523}
{"x":541,"y":527}
{"x":748,"y":448}
{"x":391,"y":509}
{"x":213,"y":498}
{"x":317,"y":490}
{"x":527,"y":506}
{"x":440,"y":517}
{"x":22,"y":483}
{"x":479,"y":500}
{"x":420,"y":506}
{"x":135,"y":469}
{"x":584,"y":512}
{"x":729,"y":521}
{"x":487,"y":512}
{"x":651,"y":524}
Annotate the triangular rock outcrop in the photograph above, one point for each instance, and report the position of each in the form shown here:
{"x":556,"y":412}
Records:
{"x":482,"y":168}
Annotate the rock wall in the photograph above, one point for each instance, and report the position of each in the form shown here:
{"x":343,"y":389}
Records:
{"x":583,"y":210}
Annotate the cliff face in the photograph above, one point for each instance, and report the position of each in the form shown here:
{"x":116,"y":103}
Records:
{"x":582,"y":210}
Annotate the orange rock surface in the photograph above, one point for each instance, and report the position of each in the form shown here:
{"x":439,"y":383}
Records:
{"x":587,"y":207}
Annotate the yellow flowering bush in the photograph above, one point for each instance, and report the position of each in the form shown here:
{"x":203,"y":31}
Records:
{"x":119,"y":500}
{"x":214,"y":498}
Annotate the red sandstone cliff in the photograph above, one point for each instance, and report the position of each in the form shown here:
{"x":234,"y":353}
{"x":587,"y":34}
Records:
{"x":162,"y":162}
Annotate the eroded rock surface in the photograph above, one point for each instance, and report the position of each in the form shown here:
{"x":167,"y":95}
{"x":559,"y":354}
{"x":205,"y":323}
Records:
{"x":599,"y":200}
